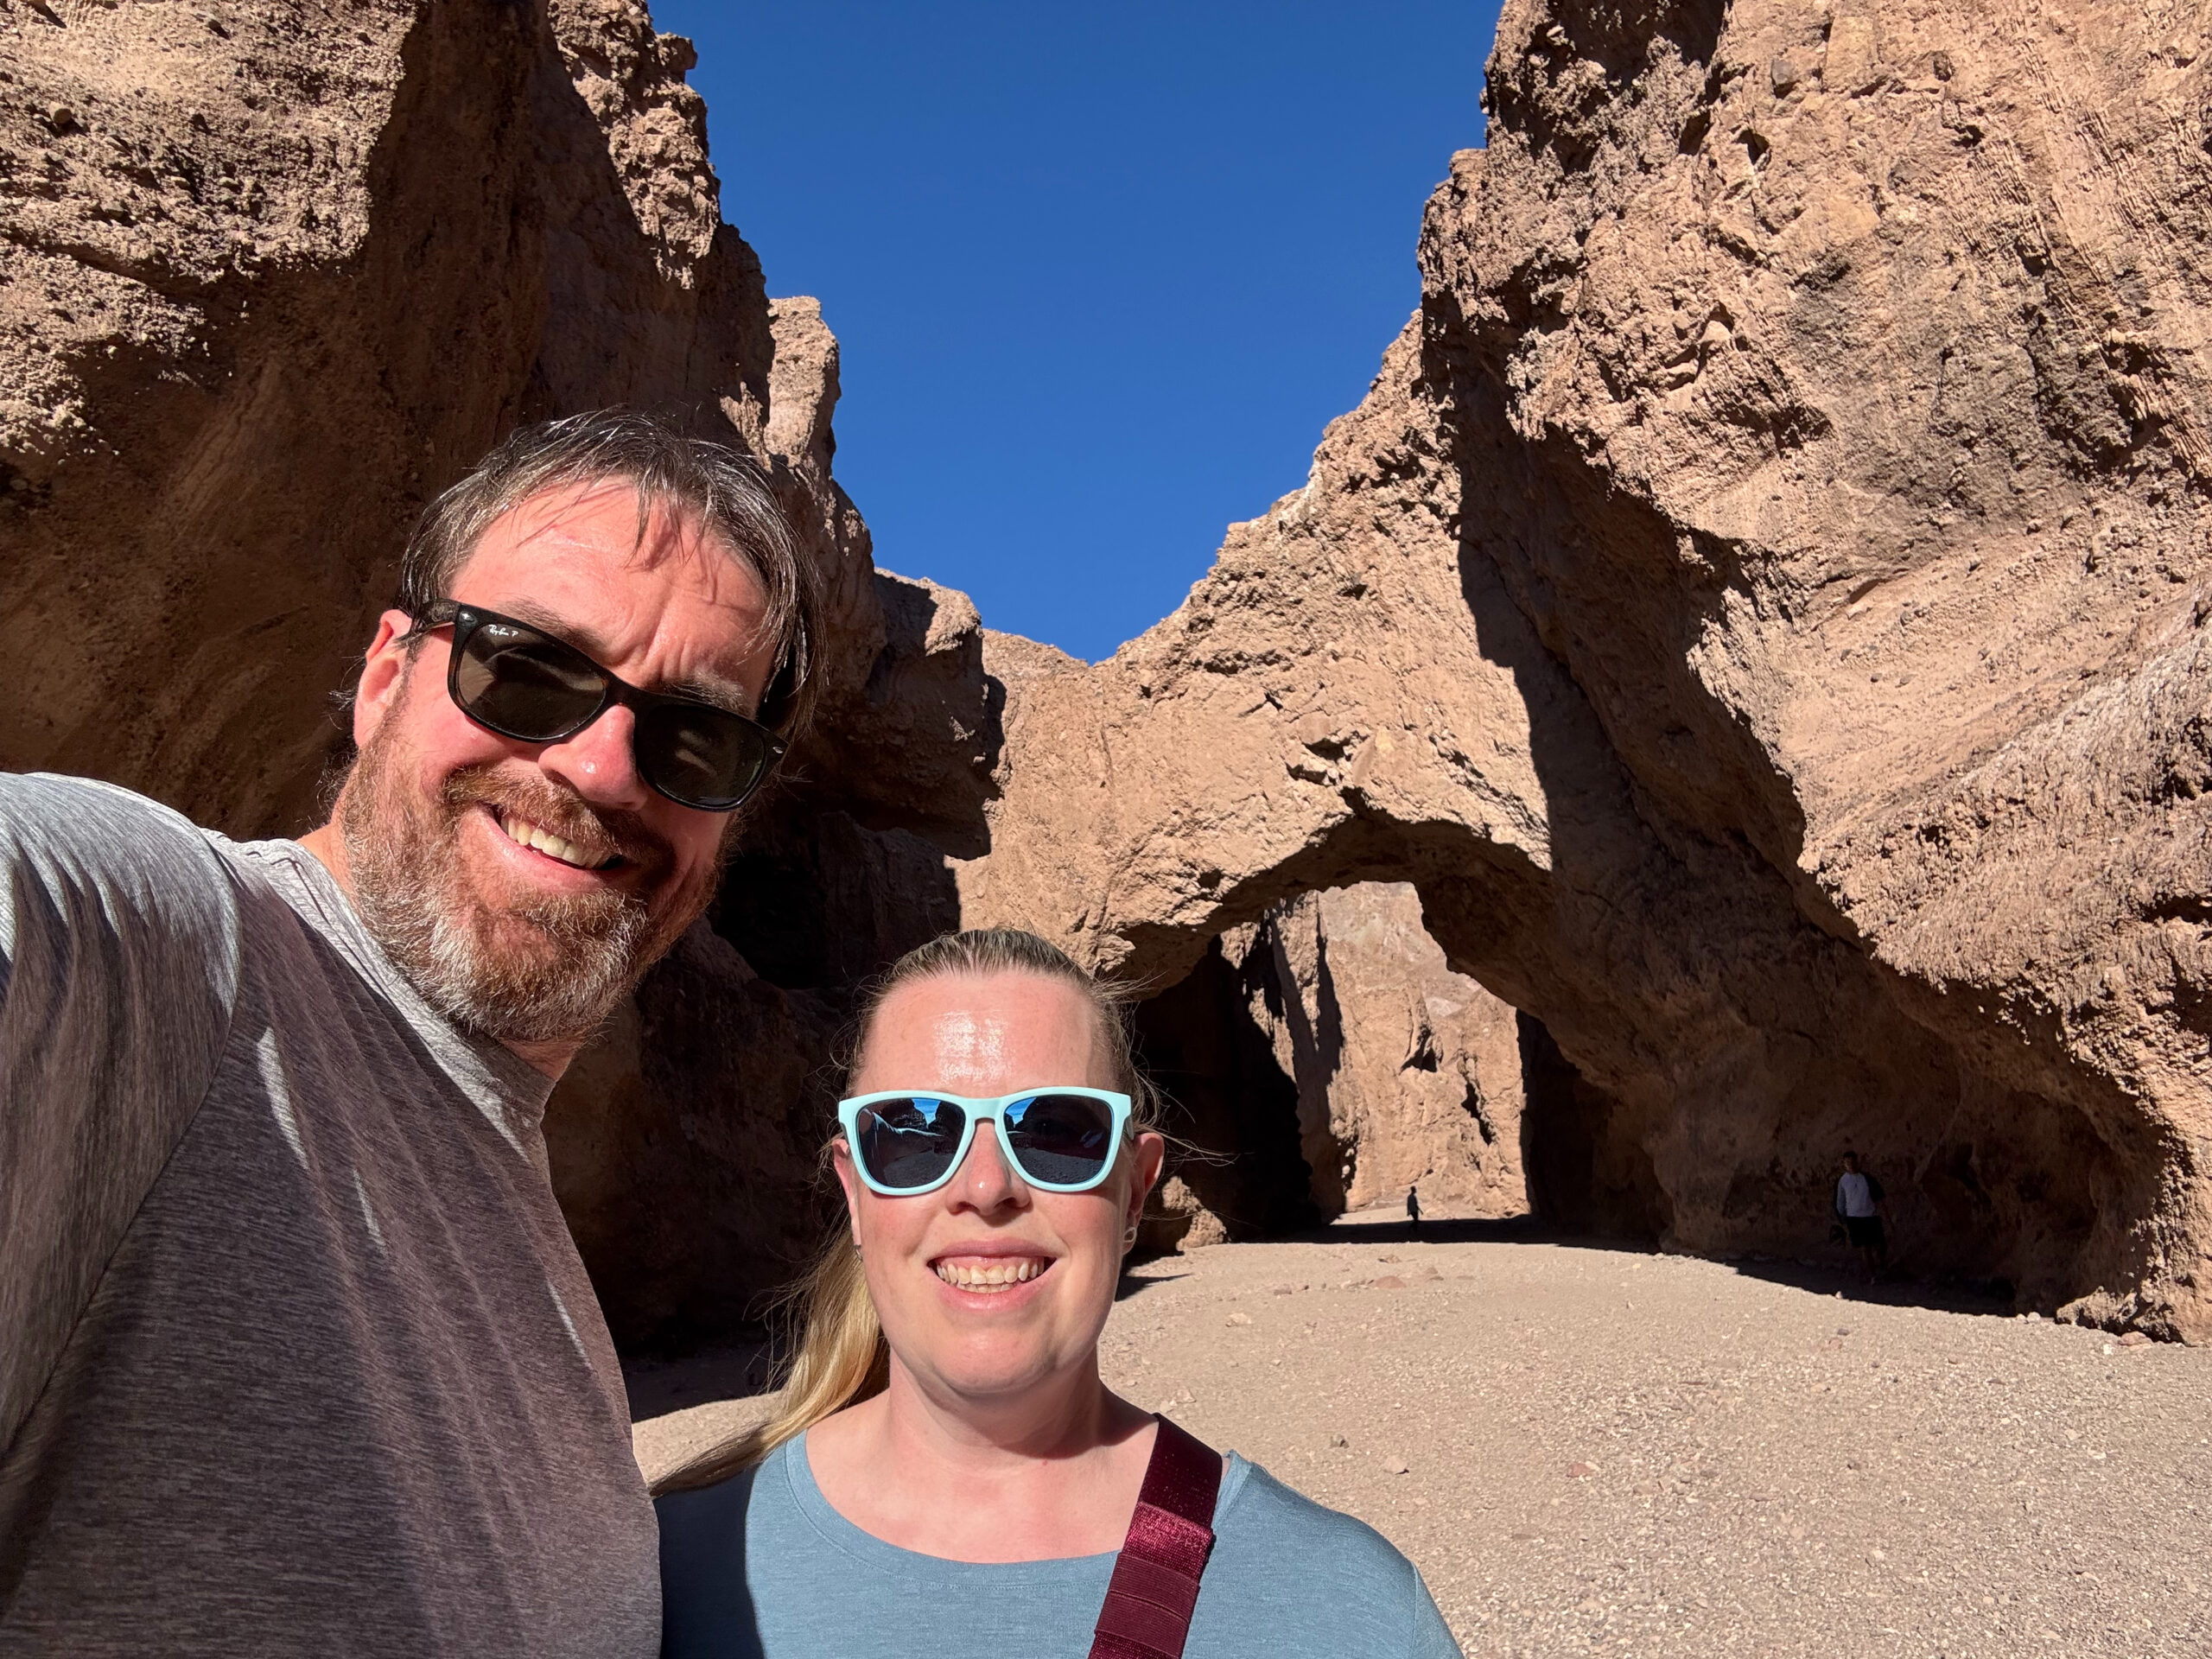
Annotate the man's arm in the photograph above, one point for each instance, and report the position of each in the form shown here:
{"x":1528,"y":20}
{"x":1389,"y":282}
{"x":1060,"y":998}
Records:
{"x":118,"y":971}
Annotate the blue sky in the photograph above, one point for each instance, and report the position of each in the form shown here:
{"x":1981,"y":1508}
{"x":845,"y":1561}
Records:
{"x":1100,"y":275}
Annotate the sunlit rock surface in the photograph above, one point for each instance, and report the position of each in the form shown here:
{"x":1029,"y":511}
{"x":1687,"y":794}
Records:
{"x":1759,"y":607}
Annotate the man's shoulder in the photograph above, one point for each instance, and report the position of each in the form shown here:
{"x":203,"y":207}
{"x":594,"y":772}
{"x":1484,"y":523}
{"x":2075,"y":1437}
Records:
{"x":90,"y":874}
{"x":53,"y":797}
{"x":81,"y":828}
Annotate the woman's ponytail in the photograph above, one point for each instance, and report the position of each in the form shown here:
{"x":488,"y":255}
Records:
{"x":840,"y":1360}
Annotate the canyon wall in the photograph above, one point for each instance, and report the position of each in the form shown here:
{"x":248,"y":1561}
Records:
{"x":1759,"y":606}
{"x":1758,"y":609}
{"x":1406,"y":1074}
{"x":274,"y":280}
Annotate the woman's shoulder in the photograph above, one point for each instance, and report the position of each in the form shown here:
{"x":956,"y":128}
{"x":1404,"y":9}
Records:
{"x":1261,"y":1504}
{"x":1327,"y":1581}
{"x":713,"y":1510}
{"x":707,"y":1598}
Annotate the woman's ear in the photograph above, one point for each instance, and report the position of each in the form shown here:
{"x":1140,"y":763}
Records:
{"x":841,"y":1159}
{"x":1151,"y":1157}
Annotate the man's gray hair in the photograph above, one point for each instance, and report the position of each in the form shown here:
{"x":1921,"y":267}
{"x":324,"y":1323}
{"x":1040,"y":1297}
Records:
{"x":711,"y":485}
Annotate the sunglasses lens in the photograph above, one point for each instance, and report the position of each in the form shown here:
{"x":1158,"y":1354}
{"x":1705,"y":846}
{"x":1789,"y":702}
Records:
{"x":1063,"y":1140}
{"x":702,"y":756}
{"x":518,"y":681}
{"x":908,"y":1143}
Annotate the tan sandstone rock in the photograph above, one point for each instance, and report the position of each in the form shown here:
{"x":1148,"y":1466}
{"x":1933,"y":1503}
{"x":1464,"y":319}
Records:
{"x":1759,"y":606}
{"x":1327,"y":1058}
{"x":1407,"y":1074}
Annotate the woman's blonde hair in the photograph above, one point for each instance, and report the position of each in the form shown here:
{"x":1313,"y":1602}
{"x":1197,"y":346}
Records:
{"x":841,"y":1357}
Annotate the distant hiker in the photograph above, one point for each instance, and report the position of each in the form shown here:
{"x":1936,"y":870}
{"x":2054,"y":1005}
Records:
{"x":296,"y":1354}
{"x":948,"y":1473}
{"x":1413,"y":1208}
{"x":1857,"y":1206}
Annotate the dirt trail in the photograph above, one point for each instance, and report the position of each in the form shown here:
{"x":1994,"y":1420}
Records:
{"x":1609,"y":1451}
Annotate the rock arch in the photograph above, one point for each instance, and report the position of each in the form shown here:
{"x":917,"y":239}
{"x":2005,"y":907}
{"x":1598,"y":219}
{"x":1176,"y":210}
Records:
{"x":1763,"y":623}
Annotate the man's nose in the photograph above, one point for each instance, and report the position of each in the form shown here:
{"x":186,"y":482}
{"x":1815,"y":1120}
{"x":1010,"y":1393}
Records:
{"x":600,"y":762}
{"x":986,"y":1182}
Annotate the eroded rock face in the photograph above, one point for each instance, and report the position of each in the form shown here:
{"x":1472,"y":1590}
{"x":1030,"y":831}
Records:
{"x":1327,"y":1059}
{"x":1407,"y":1074}
{"x":273,"y":281}
{"x":1758,"y":605}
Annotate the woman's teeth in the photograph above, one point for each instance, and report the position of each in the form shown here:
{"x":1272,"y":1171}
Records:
{"x":994,"y":1273}
{"x":544,"y":841}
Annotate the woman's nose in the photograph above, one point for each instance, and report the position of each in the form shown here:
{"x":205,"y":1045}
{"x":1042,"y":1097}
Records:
{"x":987,"y":1181}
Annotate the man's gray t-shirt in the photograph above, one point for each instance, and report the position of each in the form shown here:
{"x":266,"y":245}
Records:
{"x":296,"y":1355}
{"x":761,"y":1566}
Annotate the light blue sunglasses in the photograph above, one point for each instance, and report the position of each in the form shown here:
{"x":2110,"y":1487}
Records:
{"x":906,"y":1141}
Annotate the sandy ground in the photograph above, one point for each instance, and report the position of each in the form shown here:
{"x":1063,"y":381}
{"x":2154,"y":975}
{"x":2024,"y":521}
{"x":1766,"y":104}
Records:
{"x":1597,"y":1451}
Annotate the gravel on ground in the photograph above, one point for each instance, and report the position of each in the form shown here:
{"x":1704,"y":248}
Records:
{"x":1603,"y":1450}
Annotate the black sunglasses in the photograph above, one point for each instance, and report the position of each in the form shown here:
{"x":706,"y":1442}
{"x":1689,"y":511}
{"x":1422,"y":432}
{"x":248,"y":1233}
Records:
{"x":520,"y":682}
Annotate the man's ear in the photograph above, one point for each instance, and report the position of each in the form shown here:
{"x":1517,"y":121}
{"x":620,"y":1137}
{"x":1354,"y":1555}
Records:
{"x":382,"y":675}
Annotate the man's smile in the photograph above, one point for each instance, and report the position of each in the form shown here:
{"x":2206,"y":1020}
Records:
{"x":525,"y":833}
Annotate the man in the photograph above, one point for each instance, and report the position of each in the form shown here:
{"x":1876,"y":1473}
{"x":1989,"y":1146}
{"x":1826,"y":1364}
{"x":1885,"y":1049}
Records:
{"x":296,"y":1355}
{"x":1413,"y":1208}
{"x":1857,"y":1206}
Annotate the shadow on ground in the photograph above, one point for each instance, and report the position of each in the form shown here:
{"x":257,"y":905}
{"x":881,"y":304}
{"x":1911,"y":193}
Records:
{"x":1132,"y":1285}
{"x":1396,"y":1230}
{"x":661,"y":1382}
{"x":1840,"y":1278}
{"x":1990,"y":1300}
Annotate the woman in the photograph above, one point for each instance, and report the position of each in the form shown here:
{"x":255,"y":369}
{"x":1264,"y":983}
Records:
{"x":949,"y":1475}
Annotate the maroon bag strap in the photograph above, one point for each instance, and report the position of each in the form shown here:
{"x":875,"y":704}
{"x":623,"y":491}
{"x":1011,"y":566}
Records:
{"x":1155,"y":1583}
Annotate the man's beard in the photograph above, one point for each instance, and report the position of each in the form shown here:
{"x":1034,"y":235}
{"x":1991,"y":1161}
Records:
{"x":550,"y":968}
